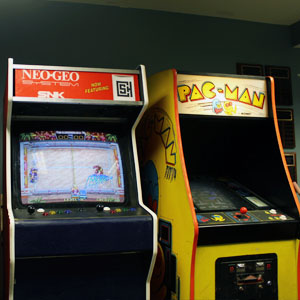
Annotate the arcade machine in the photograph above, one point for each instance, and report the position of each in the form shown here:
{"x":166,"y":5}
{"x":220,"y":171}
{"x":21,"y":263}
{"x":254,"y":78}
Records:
{"x":213,"y":169}
{"x":75,"y":226}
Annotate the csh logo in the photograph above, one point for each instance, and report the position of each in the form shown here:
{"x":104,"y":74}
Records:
{"x":48,"y":94}
{"x":123,"y":87}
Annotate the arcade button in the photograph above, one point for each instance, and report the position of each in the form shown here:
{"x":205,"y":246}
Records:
{"x":283,"y":217}
{"x":52,"y":212}
{"x":67,"y":211}
{"x":106,"y":209}
{"x":45,"y":214}
{"x":40,"y":210}
{"x":132,"y":209}
{"x":59,"y":212}
{"x":231,"y":269}
{"x":118,"y":210}
{"x":273,"y":211}
{"x":31,"y":209}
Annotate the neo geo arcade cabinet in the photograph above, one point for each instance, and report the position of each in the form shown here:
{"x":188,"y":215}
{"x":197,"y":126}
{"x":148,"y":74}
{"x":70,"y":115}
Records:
{"x":75,"y":226}
{"x":214,"y":170}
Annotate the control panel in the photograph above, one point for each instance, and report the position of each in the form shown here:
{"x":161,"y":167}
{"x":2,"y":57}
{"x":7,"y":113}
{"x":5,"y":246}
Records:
{"x":98,"y":211}
{"x":249,"y":277}
{"x":242,"y":216}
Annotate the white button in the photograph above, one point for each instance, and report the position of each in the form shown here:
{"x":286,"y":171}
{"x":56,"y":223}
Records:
{"x":106,"y":208}
{"x":40,"y":210}
{"x":273,"y":211}
{"x":283,"y":217}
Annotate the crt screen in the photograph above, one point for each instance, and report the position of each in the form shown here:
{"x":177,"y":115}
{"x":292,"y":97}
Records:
{"x":210,"y":194}
{"x":66,"y":166}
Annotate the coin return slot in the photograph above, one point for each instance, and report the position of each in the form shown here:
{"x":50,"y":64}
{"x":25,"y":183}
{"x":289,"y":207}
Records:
{"x":249,"y":279}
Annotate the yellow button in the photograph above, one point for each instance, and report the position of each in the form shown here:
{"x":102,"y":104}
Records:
{"x":52,"y":212}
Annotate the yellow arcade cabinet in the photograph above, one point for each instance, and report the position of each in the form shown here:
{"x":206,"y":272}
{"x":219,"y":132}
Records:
{"x":214,"y":171}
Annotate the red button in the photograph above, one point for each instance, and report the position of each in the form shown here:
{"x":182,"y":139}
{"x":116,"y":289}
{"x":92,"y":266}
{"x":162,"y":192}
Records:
{"x":231,"y":269}
{"x":268,"y":266}
{"x":243,"y":210}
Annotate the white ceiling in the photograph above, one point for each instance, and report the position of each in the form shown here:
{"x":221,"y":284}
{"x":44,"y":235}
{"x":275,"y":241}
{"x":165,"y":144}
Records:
{"x":279,"y":12}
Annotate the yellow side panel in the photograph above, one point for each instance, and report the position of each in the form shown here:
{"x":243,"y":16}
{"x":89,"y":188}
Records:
{"x":287,"y":257}
{"x":158,"y":142}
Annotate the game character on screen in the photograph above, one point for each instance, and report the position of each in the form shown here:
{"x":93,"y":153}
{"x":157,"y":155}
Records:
{"x":75,"y":193}
{"x":98,"y":169}
{"x":99,"y":173}
{"x":33,"y":174}
{"x":97,"y":178}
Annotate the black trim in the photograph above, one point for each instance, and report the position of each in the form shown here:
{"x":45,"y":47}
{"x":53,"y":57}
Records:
{"x":221,"y":75}
{"x":239,"y":277}
{"x":34,"y":238}
{"x":245,"y":233}
{"x":121,"y":130}
{"x":112,"y":276}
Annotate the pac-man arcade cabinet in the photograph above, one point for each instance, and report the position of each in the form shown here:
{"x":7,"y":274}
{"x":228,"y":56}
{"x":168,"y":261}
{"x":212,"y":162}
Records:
{"x":75,"y":225}
{"x":213,"y":169}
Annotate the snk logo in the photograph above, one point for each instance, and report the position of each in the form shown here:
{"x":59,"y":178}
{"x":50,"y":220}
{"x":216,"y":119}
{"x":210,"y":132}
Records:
{"x":48,"y":94}
{"x":53,"y":75}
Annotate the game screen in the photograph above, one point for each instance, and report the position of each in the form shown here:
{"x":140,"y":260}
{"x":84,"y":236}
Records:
{"x":211,"y":194}
{"x":66,"y":166}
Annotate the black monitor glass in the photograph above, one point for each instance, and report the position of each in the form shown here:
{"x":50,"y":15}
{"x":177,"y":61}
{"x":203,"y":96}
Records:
{"x":222,"y":194}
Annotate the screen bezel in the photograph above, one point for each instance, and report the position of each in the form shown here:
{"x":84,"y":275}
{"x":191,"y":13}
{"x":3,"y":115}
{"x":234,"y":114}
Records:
{"x":123,"y":133}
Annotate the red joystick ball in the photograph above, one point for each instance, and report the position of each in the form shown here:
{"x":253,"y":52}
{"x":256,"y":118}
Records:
{"x":243,"y":210}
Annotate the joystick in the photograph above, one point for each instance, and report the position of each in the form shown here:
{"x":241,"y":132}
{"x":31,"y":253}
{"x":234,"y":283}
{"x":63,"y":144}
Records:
{"x":99,"y":207}
{"x":31,"y":209}
{"x":243,"y":210}
{"x":242,"y":214}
